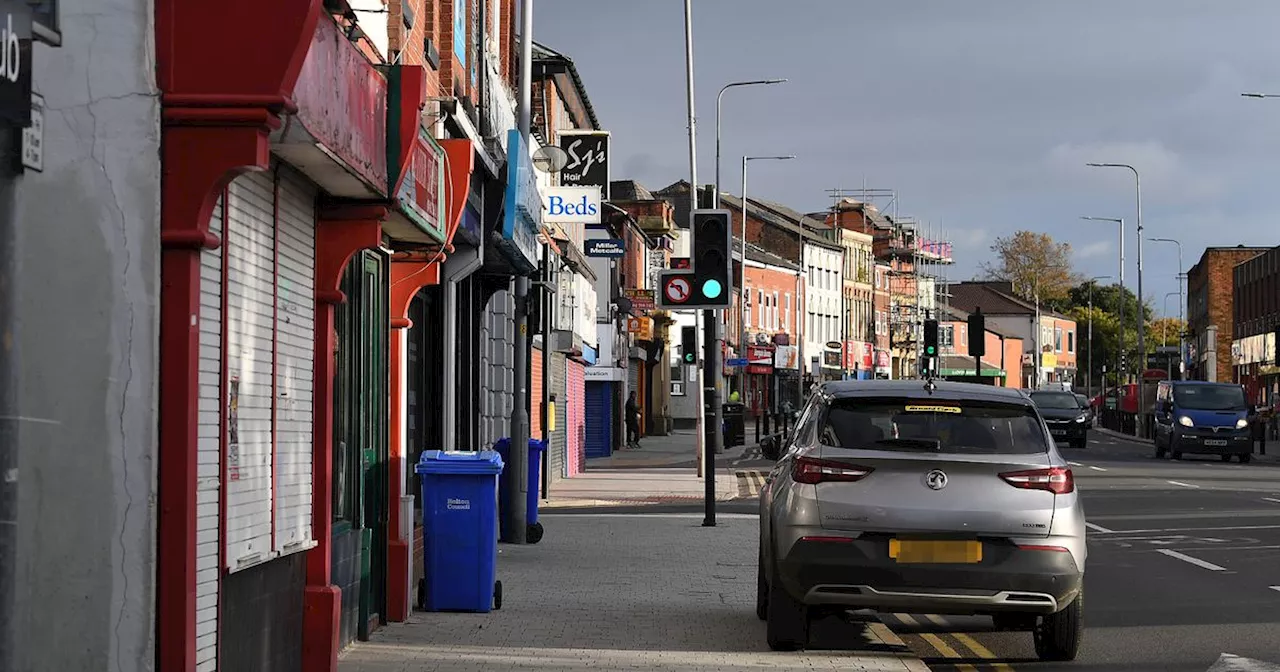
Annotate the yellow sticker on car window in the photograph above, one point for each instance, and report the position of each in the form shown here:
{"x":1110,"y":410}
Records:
{"x":932,"y":409}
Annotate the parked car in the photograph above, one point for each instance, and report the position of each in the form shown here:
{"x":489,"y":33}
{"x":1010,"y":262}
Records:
{"x":1068,"y":422}
{"x":902,"y":496}
{"x":1193,"y":416}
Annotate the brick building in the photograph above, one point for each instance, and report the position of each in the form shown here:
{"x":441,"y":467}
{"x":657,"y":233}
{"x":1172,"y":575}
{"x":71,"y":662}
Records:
{"x":1256,"y":326}
{"x":1055,"y":339}
{"x":1210,"y":311}
{"x":1001,"y":361}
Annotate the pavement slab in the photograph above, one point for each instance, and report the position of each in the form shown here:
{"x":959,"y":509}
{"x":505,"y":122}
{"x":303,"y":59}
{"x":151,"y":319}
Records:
{"x":619,"y":592}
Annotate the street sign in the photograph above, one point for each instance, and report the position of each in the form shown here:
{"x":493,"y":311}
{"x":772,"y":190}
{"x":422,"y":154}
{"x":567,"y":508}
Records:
{"x":676,"y":289}
{"x":15,"y":64}
{"x":737,"y":361}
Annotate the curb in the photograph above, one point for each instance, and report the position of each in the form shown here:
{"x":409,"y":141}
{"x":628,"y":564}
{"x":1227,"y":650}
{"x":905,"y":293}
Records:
{"x":1122,"y":435}
{"x":1271,"y":458}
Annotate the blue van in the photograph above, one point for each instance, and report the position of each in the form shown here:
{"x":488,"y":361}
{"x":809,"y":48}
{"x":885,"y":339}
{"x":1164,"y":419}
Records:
{"x":1194,"y":416}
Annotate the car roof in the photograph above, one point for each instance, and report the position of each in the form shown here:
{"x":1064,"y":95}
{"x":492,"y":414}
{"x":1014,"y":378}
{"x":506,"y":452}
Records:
{"x":915,"y":389}
{"x":1196,"y":382}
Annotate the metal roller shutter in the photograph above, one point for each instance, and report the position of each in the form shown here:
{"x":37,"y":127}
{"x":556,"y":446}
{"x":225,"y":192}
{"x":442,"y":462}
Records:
{"x":599,"y":405}
{"x":556,"y":451}
{"x":576,"y":425}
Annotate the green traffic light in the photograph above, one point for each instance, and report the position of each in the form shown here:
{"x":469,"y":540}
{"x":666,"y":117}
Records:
{"x":929,"y":350}
{"x":712,"y":288}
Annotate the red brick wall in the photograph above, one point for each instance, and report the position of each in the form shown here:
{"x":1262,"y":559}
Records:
{"x":1214,"y":276}
{"x":782,"y":243}
{"x":410,"y":45}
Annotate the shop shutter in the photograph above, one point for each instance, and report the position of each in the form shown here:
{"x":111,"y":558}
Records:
{"x":535,"y":393}
{"x":209,"y":446}
{"x":576,"y":428}
{"x":250,"y":306}
{"x":599,"y":419}
{"x":634,"y":366}
{"x":556,"y":451}
{"x":295,"y":363}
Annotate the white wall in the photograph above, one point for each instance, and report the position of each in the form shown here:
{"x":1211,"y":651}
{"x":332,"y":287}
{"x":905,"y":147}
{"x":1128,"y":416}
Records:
{"x":824,"y":298}
{"x":87,"y":316}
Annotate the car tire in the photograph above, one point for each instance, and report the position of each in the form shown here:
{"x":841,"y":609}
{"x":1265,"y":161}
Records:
{"x":787,"y":622}
{"x":1226,"y":457}
{"x":1160,"y":450}
{"x":1245,"y":457}
{"x":1058,"y":636}
{"x":762,"y":590}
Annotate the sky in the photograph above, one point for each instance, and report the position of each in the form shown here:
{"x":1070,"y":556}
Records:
{"x":979,"y":114}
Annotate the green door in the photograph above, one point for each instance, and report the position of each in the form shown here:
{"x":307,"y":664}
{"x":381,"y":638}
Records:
{"x":371,"y":388}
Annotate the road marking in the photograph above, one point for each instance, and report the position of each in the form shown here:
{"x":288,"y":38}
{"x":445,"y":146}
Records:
{"x":1229,"y":662}
{"x":1195,"y":561}
{"x":1075,"y":464}
{"x":1271,"y":499}
{"x":1098,"y":528}
{"x":1194,"y":529}
{"x":945,"y":649}
{"x":1096,"y":468}
{"x":1276,"y":588}
{"x":982,"y":651}
{"x":1185,"y":485}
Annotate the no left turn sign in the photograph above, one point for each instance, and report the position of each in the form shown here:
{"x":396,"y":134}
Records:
{"x":677,"y":290}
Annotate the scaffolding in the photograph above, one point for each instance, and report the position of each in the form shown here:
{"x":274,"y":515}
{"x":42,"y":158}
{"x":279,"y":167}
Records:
{"x":919,"y":258}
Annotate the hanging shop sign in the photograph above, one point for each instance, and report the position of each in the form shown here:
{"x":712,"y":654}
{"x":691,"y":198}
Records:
{"x":571,"y":205}
{"x":588,"y":164}
{"x":606,"y":247}
{"x":642,"y":300}
{"x":15,"y":64}
{"x":522,"y":219}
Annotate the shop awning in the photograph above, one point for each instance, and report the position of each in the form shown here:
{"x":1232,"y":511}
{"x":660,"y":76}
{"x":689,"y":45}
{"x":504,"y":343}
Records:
{"x":964,"y":365}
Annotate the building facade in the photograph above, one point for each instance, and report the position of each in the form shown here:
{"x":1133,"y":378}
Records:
{"x":1050,"y":342}
{"x":80,"y":286}
{"x":1256,"y":329}
{"x":859,"y":304}
{"x":1001,"y":360}
{"x":1210,"y":311}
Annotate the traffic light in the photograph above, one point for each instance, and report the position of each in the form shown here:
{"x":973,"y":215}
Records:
{"x":930,"y":338}
{"x":689,"y":345}
{"x":977,"y":334}
{"x":712,"y":266}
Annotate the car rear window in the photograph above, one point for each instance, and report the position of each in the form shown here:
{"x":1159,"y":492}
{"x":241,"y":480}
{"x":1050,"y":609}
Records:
{"x":1059,"y":400}
{"x":914,"y":425}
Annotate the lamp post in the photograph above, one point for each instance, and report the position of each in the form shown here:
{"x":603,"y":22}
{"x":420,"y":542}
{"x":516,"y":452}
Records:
{"x":1089,"y":378}
{"x":1142,"y":327}
{"x":742,"y":270}
{"x":755,"y":82}
{"x":1120,"y":332}
{"x":1181,"y":299}
{"x":1261,"y":95}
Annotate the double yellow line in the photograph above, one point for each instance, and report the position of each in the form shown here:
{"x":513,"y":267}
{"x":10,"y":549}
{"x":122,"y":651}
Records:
{"x":946,"y":650}
{"x":750,"y":483}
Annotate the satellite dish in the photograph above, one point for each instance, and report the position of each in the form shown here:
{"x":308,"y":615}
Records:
{"x":550,"y":159}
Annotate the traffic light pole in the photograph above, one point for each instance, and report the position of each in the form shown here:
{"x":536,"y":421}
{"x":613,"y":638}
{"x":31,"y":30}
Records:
{"x":713,"y":413}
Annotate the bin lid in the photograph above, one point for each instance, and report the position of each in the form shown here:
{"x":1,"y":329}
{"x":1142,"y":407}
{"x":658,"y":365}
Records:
{"x":459,"y":462}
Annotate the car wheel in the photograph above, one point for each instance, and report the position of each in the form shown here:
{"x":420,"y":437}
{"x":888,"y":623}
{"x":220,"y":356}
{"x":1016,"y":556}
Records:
{"x":787,"y":622}
{"x":1058,"y":635}
{"x":1226,"y":458}
{"x":762,"y":590}
{"x":1245,"y":457}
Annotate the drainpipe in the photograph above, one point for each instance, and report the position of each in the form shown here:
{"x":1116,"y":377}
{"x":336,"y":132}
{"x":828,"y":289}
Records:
{"x":457,"y":266}
{"x":9,"y":417}
{"x":548,"y":305}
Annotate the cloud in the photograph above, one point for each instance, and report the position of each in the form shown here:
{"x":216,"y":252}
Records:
{"x":1163,"y":171}
{"x":1095,"y":249}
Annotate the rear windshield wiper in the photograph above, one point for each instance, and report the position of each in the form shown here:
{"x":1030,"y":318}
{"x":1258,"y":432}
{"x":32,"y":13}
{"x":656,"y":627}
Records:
{"x":933,"y":445}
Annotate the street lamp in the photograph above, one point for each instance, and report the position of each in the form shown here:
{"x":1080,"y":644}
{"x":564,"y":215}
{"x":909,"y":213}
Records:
{"x":1120,"y":344}
{"x":1181,"y":299}
{"x":1039,"y":331}
{"x":1261,"y":95}
{"x":1142,"y":327}
{"x":719,"y":96}
{"x":742,"y":270}
{"x":1089,"y":378}
{"x":1164,"y":326}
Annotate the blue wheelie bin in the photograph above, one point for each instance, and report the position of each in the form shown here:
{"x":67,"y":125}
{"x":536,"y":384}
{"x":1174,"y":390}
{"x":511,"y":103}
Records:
{"x":533,"y":533}
{"x":460,"y":530}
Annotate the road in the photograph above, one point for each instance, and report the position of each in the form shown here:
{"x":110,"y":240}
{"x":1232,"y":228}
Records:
{"x":1184,"y":566}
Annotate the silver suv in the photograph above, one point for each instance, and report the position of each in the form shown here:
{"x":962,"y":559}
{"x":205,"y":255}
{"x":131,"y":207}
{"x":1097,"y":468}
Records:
{"x":934,"y":498}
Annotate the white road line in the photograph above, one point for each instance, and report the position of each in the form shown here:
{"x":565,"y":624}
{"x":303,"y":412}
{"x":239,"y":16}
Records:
{"x":1271,"y":499}
{"x":1075,"y":464}
{"x":1096,"y":468}
{"x":1098,"y":528}
{"x":1277,"y":588}
{"x":1201,"y":529}
{"x":1195,"y":561}
{"x":1185,"y":485}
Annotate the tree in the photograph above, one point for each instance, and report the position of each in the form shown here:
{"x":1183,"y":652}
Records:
{"x":1165,"y":331}
{"x":1033,"y":263}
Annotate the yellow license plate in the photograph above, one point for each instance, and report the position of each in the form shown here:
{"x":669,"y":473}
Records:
{"x":936,"y":552}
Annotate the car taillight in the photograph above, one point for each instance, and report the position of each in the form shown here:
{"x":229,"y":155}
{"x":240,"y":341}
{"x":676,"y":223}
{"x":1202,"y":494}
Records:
{"x":1057,"y":480}
{"x":813,"y":471}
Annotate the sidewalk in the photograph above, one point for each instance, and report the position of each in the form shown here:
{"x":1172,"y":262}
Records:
{"x":663,"y":470}
{"x":624,"y":591}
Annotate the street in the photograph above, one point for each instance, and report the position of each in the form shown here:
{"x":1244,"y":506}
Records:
{"x":1184,"y":566}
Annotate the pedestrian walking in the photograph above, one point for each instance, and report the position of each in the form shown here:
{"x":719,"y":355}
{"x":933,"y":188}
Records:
{"x":633,"y":421}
